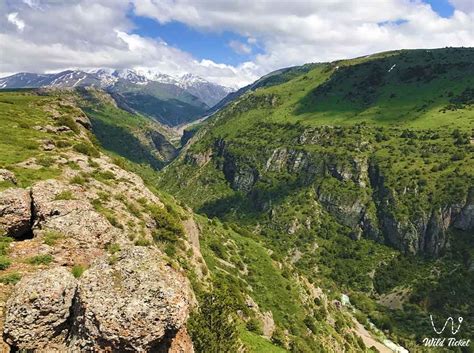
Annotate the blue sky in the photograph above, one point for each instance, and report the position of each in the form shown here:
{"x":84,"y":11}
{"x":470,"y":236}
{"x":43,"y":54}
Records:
{"x":201,"y":44}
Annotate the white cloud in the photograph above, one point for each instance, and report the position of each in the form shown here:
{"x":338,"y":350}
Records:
{"x":54,"y":35}
{"x":13,"y":18}
{"x":239,"y":47}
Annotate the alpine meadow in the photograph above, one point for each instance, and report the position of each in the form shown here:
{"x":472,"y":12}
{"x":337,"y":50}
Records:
{"x":212,"y":177}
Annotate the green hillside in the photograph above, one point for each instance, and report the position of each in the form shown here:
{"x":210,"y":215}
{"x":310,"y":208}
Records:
{"x":167,"y":104}
{"x":328,"y":166}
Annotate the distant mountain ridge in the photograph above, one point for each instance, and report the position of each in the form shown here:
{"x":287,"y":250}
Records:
{"x":168,"y":99}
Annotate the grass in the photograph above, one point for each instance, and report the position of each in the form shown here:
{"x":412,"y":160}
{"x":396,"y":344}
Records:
{"x":65,"y":195}
{"x":341,"y":145}
{"x":51,"y":237}
{"x":4,"y":263}
{"x":77,"y":270}
{"x":258,"y":344}
{"x":20,"y":112}
{"x":11,"y":278}
{"x":40,"y":259}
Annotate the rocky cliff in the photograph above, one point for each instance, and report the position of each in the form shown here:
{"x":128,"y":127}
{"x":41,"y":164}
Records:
{"x":354,"y":185}
{"x":82,"y":248}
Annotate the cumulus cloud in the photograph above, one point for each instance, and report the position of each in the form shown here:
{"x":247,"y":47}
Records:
{"x":13,"y":18}
{"x":239,"y":47}
{"x":50,"y":35}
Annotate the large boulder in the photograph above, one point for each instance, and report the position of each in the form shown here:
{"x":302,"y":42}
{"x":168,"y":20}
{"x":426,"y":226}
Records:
{"x":15,"y":212}
{"x":134,"y":303}
{"x":76,"y":219}
{"x":38,"y":310}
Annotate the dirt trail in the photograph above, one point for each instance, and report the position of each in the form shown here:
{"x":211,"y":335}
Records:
{"x":369,"y":341}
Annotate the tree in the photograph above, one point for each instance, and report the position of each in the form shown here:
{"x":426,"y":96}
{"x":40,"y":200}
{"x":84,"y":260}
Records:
{"x":213,"y":326}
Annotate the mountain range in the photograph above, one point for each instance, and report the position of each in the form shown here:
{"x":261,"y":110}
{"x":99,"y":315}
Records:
{"x":170,"y":100}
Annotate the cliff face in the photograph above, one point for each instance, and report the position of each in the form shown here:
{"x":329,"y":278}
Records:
{"x":350,"y":181}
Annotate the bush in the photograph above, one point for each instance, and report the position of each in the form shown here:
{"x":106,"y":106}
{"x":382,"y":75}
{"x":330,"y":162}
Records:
{"x":279,"y":337}
{"x":45,"y":161}
{"x":113,"y":248}
{"x":4,"y":263}
{"x":254,"y":325}
{"x":142,"y":242}
{"x":78,"y":180}
{"x":213,"y":326}
{"x":11,"y":278}
{"x":87,"y":149}
{"x":77,"y":270}
{"x":65,"y":120}
{"x":64,"y":195}
{"x":40,"y":259}
{"x":5,"y":245}
{"x":51,"y":237}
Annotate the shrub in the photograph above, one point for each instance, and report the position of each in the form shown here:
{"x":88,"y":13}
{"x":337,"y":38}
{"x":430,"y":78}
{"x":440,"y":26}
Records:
{"x":64,"y":195}
{"x":78,"y":180}
{"x":5,"y":245}
{"x":65,"y":120}
{"x":142,"y":242}
{"x":279,"y":337}
{"x":51,"y":237}
{"x":77,"y":270}
{"x":62,"y":143}
{"x":40,"y":259}
{"x":4,"y":262}
{"x":45,"y":161}
{"x":254,"y":325}
{"x":11,"y":278}
{"x":113,"y":248}
{"x":87,"y":149}
{"x":213,"y":326}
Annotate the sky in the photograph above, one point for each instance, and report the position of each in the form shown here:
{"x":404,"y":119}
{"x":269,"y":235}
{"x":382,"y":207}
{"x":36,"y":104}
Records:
{"x":228,"y":42}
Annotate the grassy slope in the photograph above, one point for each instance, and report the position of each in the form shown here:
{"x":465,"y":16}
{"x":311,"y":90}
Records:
{"x":126,"y":134}
{"x":19,"y":112}
{"x":167,"y":104}
{"x":414,"y":122}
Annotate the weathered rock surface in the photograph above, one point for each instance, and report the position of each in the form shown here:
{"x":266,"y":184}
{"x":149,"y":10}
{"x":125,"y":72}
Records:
{"x":180,"y":343}
{"x":6,"y":175}
{"x":130,"y":305}
{"x":74,"y":218}
{"x":15,"y":212}
{"x":465,"y":220}
{"x":84,"y":121}
{"x":136,"y":303}
{"x":39,"y":309}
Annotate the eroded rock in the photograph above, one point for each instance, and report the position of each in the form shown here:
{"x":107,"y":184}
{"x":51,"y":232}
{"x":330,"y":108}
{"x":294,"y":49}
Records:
{"x":38,"y":310}
{"x":15,"y":212}
{"x":6,"y":175}
{"x":75,"y":219}
{"x":133,"y":304}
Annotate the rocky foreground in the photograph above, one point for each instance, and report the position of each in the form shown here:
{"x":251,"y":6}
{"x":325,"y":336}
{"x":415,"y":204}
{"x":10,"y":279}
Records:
{"x":92,"y":278}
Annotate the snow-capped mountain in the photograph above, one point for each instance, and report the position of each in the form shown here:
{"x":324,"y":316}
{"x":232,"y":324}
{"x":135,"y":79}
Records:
{"x":170,"y":100}
{"x":208,"y":92}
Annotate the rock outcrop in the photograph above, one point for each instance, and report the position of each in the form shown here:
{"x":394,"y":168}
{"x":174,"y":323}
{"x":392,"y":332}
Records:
{"x":134,"y":302}
{"x":6,"y":175}
{"x":15,"y":212}
{"x":77,"y":219}
{"x":130,"y":305}
{"x":38,"y":310}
